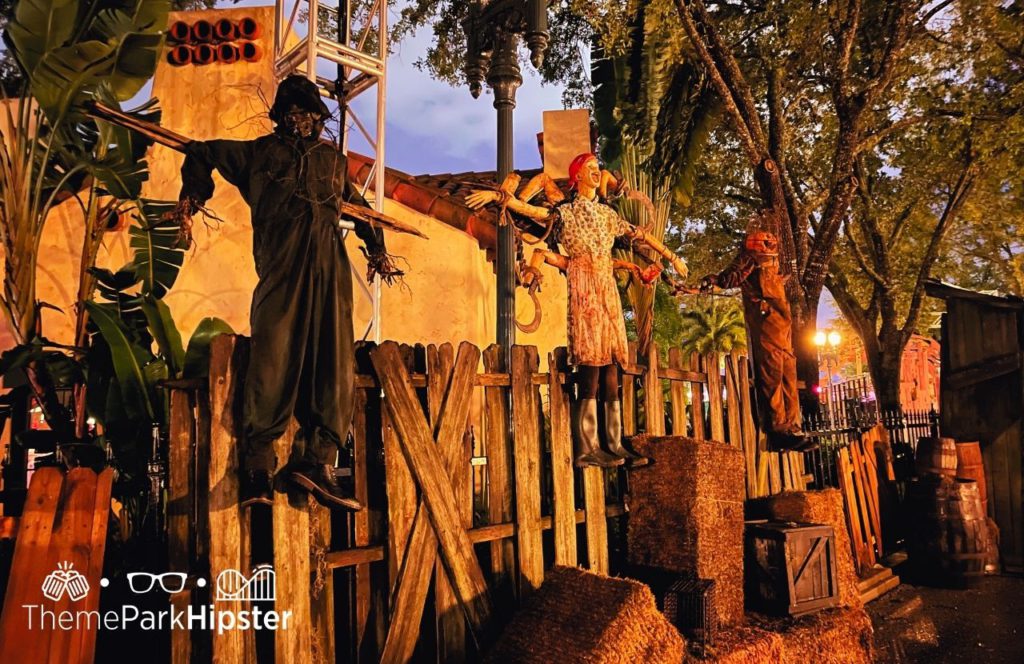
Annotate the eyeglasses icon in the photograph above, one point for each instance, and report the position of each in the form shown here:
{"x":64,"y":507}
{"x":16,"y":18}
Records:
{"x":170,"y":582}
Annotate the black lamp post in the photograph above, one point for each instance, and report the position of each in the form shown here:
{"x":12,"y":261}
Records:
{"x":493,"y":32}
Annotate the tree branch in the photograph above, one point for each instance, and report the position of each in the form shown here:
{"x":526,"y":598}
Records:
{"x":873,"y":139}
{"x":859,"y":255}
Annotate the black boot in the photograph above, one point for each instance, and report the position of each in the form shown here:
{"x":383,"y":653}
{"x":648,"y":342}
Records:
{"x":613,"y":427}
{"x":588,"y":449}
{"x":257,"y":488}
{"x":320,"y":480}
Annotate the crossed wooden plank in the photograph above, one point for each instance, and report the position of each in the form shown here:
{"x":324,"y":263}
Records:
{"x":435,"y":466}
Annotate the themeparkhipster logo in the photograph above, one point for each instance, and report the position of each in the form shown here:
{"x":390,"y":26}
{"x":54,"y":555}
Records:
{"x":230,"y":611}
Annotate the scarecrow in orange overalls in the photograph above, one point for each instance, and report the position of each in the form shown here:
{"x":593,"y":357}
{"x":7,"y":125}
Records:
{"x":769,"y":329}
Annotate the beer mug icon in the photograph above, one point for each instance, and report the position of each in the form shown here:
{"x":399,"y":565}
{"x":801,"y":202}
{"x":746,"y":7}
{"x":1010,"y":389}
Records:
{"x":64,"y":579}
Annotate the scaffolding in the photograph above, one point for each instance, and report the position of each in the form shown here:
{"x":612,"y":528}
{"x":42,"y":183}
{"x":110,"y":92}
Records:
{"x":348,"y":64}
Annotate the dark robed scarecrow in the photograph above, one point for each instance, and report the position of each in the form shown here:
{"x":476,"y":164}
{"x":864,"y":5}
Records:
{"x":301,"y":358}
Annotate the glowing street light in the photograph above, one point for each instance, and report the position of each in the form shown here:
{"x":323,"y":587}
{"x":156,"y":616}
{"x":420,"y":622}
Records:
{"x":834,"y":338}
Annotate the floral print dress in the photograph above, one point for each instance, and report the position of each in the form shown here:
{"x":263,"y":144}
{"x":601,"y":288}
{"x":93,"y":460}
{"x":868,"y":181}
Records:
{"x":596,"y":327}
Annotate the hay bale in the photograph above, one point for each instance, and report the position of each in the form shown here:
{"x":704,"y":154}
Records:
{"x":825,"y":507}
{"x":836,"y":636}
{"x":741,"y":644}
{"x":686,"y":514}
{"x":580,"y":616}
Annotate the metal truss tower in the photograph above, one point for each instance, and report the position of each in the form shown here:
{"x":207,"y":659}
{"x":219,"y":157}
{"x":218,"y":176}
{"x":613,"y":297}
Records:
{"x":344,"y":49}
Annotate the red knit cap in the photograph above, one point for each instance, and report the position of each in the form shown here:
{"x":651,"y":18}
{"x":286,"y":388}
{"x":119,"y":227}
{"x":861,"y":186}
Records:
{"x":576,"y":165}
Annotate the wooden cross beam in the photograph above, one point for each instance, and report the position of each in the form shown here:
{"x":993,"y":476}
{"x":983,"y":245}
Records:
{"x":424,"y":456}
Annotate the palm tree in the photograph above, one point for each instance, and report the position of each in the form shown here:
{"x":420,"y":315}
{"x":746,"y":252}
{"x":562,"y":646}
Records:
{"x":715,"y":328}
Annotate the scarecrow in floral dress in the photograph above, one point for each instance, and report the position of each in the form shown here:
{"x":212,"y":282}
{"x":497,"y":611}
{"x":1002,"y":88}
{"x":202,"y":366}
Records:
{"x":586,"y":228}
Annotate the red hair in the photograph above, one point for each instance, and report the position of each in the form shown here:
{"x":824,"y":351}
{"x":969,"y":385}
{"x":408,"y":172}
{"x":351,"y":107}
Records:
{"x":577,"y":163}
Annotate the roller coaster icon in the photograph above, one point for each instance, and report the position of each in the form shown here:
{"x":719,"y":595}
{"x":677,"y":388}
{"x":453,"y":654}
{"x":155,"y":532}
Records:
{"x":233,"y":586}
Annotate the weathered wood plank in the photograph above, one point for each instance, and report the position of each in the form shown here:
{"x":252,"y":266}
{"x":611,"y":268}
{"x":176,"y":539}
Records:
{"x":86,"y":638}
{"x":732,"y":409}
{"x":180,"y":487}
{"x":714,"y":396}
{"x":70,"y":543}
{"x":597,"y":522}
{"x":30,"y":565}
{"x":629,"y":395}
{"x":321,"y":583}
{"x":450,"y":623}
{"x":425,"y":462}
{"x":291,"y":526}
{"x":564,"y":508}
{"x":499,"y":476}
{"x":677,"y":396}
{"x":526,"y":424}
{"x":654,"y":408}
{"x":697,"y":399}
{"x":228,"y":523}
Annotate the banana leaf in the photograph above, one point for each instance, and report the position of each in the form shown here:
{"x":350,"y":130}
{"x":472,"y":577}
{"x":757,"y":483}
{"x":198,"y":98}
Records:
{"x":39,"y":26}
{"x":158,"y":255}
{"x":163,"y":329}
{"x":129,"y":360}
{"x":197,"y":357}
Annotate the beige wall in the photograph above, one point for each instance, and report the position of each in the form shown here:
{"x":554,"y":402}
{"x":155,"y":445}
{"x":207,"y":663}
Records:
{"x":448,"y":293}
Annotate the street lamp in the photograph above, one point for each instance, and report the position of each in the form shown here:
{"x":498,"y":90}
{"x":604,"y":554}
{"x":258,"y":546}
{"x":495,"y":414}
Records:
{"x":832,"y":339}
{"x":493,"y":31}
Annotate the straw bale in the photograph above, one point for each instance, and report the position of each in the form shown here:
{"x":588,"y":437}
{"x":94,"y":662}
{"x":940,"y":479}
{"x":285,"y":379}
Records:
{"x":686,"y":514}
{"x":834,"y":636}
{"x":837,"y":636}
{"x":581,"y":616}
{"x":824,"y":507}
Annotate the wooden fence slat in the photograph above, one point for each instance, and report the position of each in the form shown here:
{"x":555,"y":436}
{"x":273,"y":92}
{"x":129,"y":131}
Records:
{"x":628,"y":395}
{"x":290,"y":529}
{"x":714,"y":396}
{"x":97,"y":547}
{"x":677,"y":395}
{"x":180,"y":490}
{"x":499,"y":474}
{"x":697,"y":399}
{"x":654,"y":409}
{"x":852,"y":515}
{"x":228,"y":526}
{"x":451,"y":624}
{"x":597,"y":518}
{"x":527,"y":460}
{"x":322,"y":586}
{"x":732,"y":397}
{"x":427,"y":467}
{"x":564,"y":507}
{"x":421,"y":555}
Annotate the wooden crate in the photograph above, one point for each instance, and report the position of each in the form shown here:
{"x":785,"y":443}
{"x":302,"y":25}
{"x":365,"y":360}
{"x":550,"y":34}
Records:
{"x":791,"y":567}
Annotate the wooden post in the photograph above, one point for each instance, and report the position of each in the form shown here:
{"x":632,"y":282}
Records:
{"x":180,"y":492}
{"x":424,"y":460}
{"x":291,"y":525}
{"x":597,"y":519}
{"x":697,"y":399}
{"x":451,"y":624}
{"x":629,"y":394}
{"x":714,"y":396}
{"x":526,"y":424}
{"x":677,"y":394}
{"x":732,"y":402}
{"x":228,"y":523}
{"x":322,"y":585}
{"x":564,"y":512}
{"x":499,"y":476}
{"x":654,"y":409}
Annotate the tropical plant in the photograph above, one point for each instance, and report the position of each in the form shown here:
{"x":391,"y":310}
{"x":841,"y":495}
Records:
{"x":69,"y":53}
{"x":713,"y":328}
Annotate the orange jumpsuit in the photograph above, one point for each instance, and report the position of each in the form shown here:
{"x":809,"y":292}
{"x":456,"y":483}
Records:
{"x":769,"y":328}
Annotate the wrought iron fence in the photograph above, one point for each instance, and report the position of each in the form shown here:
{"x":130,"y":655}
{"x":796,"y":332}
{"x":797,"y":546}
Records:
{"x":835,"y":428}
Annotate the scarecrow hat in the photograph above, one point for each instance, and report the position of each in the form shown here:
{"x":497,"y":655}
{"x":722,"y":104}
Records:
{"x":301,"y":92}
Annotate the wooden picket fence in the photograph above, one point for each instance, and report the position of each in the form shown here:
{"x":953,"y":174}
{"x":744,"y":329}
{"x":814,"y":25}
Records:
{"x":460,"y":520}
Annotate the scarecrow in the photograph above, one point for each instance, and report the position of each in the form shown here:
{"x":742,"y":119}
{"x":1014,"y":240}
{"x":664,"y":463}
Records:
{"x":302,"y":340}
{"x":769,"y":328}
{"x":586,"y":228}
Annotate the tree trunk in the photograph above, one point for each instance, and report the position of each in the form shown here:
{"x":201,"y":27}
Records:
{"x":885,"y":365}
{"x":805,"y":316}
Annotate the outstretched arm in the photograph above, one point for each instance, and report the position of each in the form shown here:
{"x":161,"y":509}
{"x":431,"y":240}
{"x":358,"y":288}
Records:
{"x":640,"y":235}
{"x":231,"y":158}
{"x":482,"y":197}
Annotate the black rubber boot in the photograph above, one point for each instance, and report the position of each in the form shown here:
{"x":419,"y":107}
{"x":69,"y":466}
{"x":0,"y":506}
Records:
{"x":321,"y":482}
{"x":613,"y":427}
{"x":257,"y":488}
{"x":588,"y":448}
